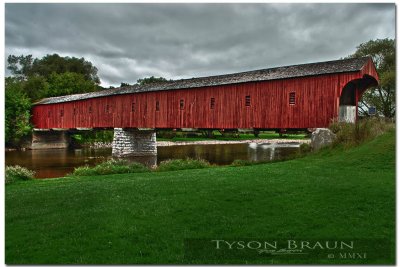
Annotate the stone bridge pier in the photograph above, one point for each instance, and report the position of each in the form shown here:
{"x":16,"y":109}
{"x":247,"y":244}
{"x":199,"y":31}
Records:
{"x":126,"y":142}
{"x":134,"y":142}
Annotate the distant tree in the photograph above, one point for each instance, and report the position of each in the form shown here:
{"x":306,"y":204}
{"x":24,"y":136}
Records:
{"x":151,"y":80}
{"x":125,"y":85}
{"x":17,"y":112}
{"x":20,"y":66}
{"x":383,"y":97}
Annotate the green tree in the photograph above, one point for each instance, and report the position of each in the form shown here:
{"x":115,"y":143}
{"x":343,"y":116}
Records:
{"x":17,"y":112}
{"x":151,"y":80}
{"x":69,"y":83}
{"x":34,"y":78}
{"x":383,"y":97}
{"x":125,"y":85}
{"x":26,"y":66}
{"x":20,"y":66}
{"x":35,"y":87}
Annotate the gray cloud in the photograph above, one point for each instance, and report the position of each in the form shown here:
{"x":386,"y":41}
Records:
{"x":131,"y":41}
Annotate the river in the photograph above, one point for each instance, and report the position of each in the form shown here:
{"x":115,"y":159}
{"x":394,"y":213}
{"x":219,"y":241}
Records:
{"x":59,"y":162}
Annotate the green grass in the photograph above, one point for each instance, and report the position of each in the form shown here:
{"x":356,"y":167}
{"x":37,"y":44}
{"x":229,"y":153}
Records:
{"x":145,"y":217}
{"x":218,"y":136}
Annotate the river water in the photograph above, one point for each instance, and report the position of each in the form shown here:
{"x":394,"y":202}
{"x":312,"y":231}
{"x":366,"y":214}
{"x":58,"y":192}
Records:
{"x":58,"y":162}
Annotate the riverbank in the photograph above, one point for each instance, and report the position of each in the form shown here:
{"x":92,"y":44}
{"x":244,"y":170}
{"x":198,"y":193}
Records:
{"x":146,"y":217}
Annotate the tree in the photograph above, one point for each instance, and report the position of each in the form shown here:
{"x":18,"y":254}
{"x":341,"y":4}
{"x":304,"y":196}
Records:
{"x":53,"y":75}
{"x":151,"y":80}
{"x":35,"y":87}
{"x":20,"y":66}
{"x":124,"y":85}
{"x":383,"y":96}
{"x":36,"y":78}
{"x":26,"y":66}
{"x":17,"y":112}
{"x":69,"y":83}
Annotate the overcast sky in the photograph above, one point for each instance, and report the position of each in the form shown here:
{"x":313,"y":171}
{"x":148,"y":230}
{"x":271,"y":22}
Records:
{"x":131,"y":41}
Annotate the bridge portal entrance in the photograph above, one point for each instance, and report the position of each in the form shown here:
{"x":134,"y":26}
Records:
{"x":348,"y":103}
{"x":351,"y":94}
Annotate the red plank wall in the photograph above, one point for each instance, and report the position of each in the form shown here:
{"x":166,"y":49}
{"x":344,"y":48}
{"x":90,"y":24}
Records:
{"x":316,"y":104}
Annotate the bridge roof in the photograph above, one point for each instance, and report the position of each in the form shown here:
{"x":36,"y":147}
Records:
{"x":294,"y":71}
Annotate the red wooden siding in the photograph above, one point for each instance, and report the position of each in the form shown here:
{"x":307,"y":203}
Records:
{"x":316,"y":104}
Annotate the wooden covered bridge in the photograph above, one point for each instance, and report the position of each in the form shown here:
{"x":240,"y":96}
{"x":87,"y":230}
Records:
{"x":291,"y":97}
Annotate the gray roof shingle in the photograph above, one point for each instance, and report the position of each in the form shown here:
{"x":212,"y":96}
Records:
{"x":311,"y":69}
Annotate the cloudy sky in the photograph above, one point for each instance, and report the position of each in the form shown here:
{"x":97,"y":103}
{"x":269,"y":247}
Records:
{"x":131,"y":41}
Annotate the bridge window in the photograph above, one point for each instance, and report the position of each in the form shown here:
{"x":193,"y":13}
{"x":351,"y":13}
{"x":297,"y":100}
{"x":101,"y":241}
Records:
{"x":157,"y":105}
{"x":212,"y":103}
{"x":49,"y":114}
{"x":61,"y":113}
{"x":292,"y":98}
{"x":107,"y":108}
{"x":248,"y":101}
{"x":90,"y":109}
{"x":182,"y":104}
{"x":74,"y":112}
{"x":133,"y":107}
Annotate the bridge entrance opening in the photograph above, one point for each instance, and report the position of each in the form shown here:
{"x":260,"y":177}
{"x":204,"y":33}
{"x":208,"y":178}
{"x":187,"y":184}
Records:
{"x":351,"y":94}
{"x":348,"y":103}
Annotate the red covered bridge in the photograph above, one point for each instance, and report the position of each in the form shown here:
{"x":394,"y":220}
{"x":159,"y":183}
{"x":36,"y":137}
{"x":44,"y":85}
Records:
{"x":291,"y":97}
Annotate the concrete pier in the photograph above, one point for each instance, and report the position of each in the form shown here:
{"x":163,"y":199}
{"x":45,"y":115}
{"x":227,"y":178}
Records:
{"x":134,"y":142}
{"x":347,"y":113}
{"x":50,"y":139}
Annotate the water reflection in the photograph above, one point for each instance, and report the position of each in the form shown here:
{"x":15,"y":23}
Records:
{"x":59,"y":162}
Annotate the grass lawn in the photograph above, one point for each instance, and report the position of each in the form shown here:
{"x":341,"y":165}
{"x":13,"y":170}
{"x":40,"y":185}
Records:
{"x":145,"y":218}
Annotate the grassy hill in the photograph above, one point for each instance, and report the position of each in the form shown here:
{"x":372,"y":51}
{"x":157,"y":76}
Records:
{"x":146,"y":217}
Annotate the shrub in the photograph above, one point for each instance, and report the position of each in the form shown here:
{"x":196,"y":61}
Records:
{"x":112,"y":166}
{"x":83,"y":171}
{"x":351,"y":134}
{"x":182,"y":164}
{"x":18,"y":173}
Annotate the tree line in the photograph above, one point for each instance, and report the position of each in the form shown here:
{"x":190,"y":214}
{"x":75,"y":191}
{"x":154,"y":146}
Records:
{"x":52,"y":75}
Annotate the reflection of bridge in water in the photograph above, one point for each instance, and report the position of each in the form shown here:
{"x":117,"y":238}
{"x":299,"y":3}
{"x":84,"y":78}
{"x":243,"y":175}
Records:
{"x":271,"y":151}
{"x":295,"y":97}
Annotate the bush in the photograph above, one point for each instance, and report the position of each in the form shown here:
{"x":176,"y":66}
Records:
{"x":18,"y":173}
{"x":350,"y":134}
{"x":182,"y":164}
{"x":112,"y":166}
